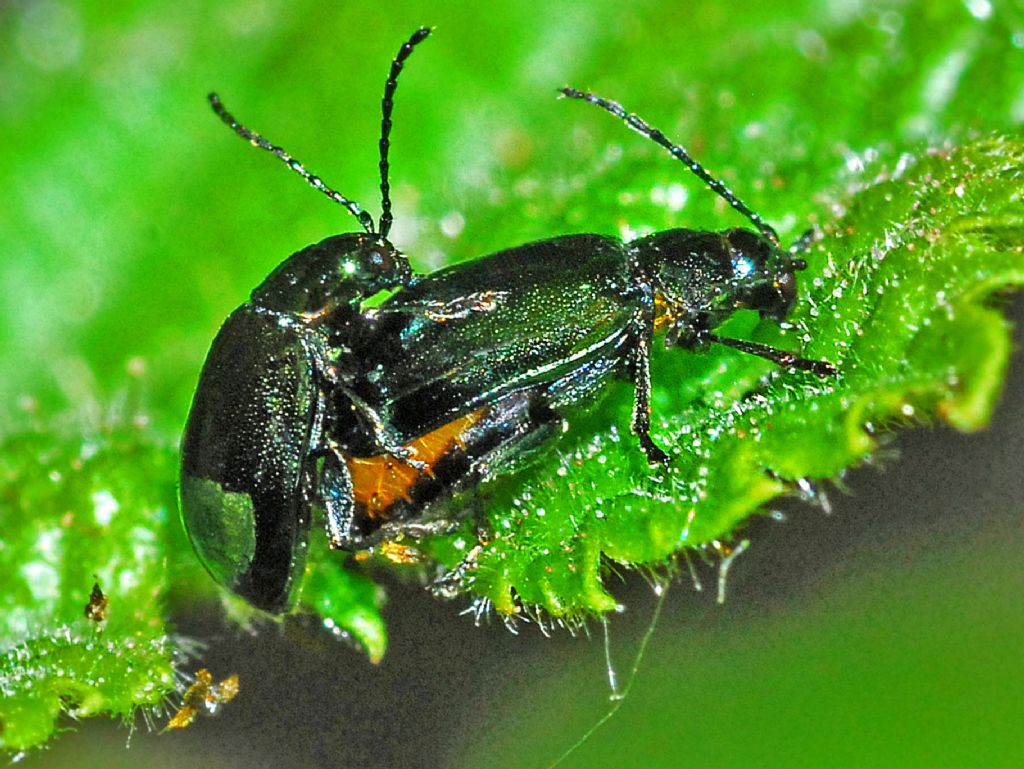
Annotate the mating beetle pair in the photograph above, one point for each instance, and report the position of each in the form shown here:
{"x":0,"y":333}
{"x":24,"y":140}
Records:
{"x":379,"y":416}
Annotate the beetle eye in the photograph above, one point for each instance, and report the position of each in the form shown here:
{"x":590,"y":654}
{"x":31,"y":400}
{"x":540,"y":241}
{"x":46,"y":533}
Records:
{"x":381,"y":258}
{"x":743,"y":267}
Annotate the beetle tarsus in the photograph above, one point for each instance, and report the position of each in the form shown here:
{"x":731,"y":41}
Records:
{"x":820,"y":368}
{"x":655,"y":454}
{"x":804,"y":242}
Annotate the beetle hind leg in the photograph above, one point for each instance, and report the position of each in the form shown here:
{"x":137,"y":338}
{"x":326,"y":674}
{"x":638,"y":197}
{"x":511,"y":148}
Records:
{"x":334,"y":489}
{"x":383,"y":437}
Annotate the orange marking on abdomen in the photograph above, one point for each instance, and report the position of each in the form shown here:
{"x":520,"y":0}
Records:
{"x":380,"y":481}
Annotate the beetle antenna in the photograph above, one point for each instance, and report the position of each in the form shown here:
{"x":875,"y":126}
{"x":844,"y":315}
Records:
{"x":641,"y":127}
{"x":313,"y":181}
{"x":387,"y":105}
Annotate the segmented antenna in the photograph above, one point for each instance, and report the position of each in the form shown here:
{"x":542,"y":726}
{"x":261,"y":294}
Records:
{"x":314,"y":181}
{"x":387,"y":105}
{"x":641,"y":127}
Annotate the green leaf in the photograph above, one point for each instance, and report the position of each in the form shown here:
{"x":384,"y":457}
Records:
{"x":349,"y":603}
{"x":102,"y":510}
{"x":133,"y":223}
{"x":75,"y":513}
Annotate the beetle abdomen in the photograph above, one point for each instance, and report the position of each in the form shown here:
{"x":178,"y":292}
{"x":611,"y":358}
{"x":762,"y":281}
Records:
{"x":458,"y":456}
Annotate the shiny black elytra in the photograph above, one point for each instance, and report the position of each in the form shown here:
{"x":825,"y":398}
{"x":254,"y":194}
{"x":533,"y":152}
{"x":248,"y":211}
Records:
{"x":255,"y":456}
{"x":389,"y":418}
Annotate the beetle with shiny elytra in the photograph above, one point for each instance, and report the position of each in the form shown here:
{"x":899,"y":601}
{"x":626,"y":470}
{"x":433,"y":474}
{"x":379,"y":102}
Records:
{"x":255,"y":456}
{"x":393,"y":415}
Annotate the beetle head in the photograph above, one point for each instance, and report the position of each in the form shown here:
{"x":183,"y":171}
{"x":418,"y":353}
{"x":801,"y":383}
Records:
{"x":763,"y":275}
{"x":342,"y":269}
{"x":709,"y":275}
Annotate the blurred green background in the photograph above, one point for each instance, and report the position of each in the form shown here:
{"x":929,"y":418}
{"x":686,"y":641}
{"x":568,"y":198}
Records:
{"x":887,"y":634}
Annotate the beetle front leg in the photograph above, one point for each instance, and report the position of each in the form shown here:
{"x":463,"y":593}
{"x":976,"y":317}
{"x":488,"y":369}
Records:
{"x":640,"y":372}
{"x":779,"y":357}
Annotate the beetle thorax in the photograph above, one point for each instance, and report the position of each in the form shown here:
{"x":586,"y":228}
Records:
{"x":314,"y":281}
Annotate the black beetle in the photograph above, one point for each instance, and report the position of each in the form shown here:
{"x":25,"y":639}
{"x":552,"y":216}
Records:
{"x":377,"y":416}
{"x":255,"y":456}
{"x":471,"y":367}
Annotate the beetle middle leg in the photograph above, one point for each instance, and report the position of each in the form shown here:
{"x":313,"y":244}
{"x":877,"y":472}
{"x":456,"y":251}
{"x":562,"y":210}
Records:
{"x":640,"y":373}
